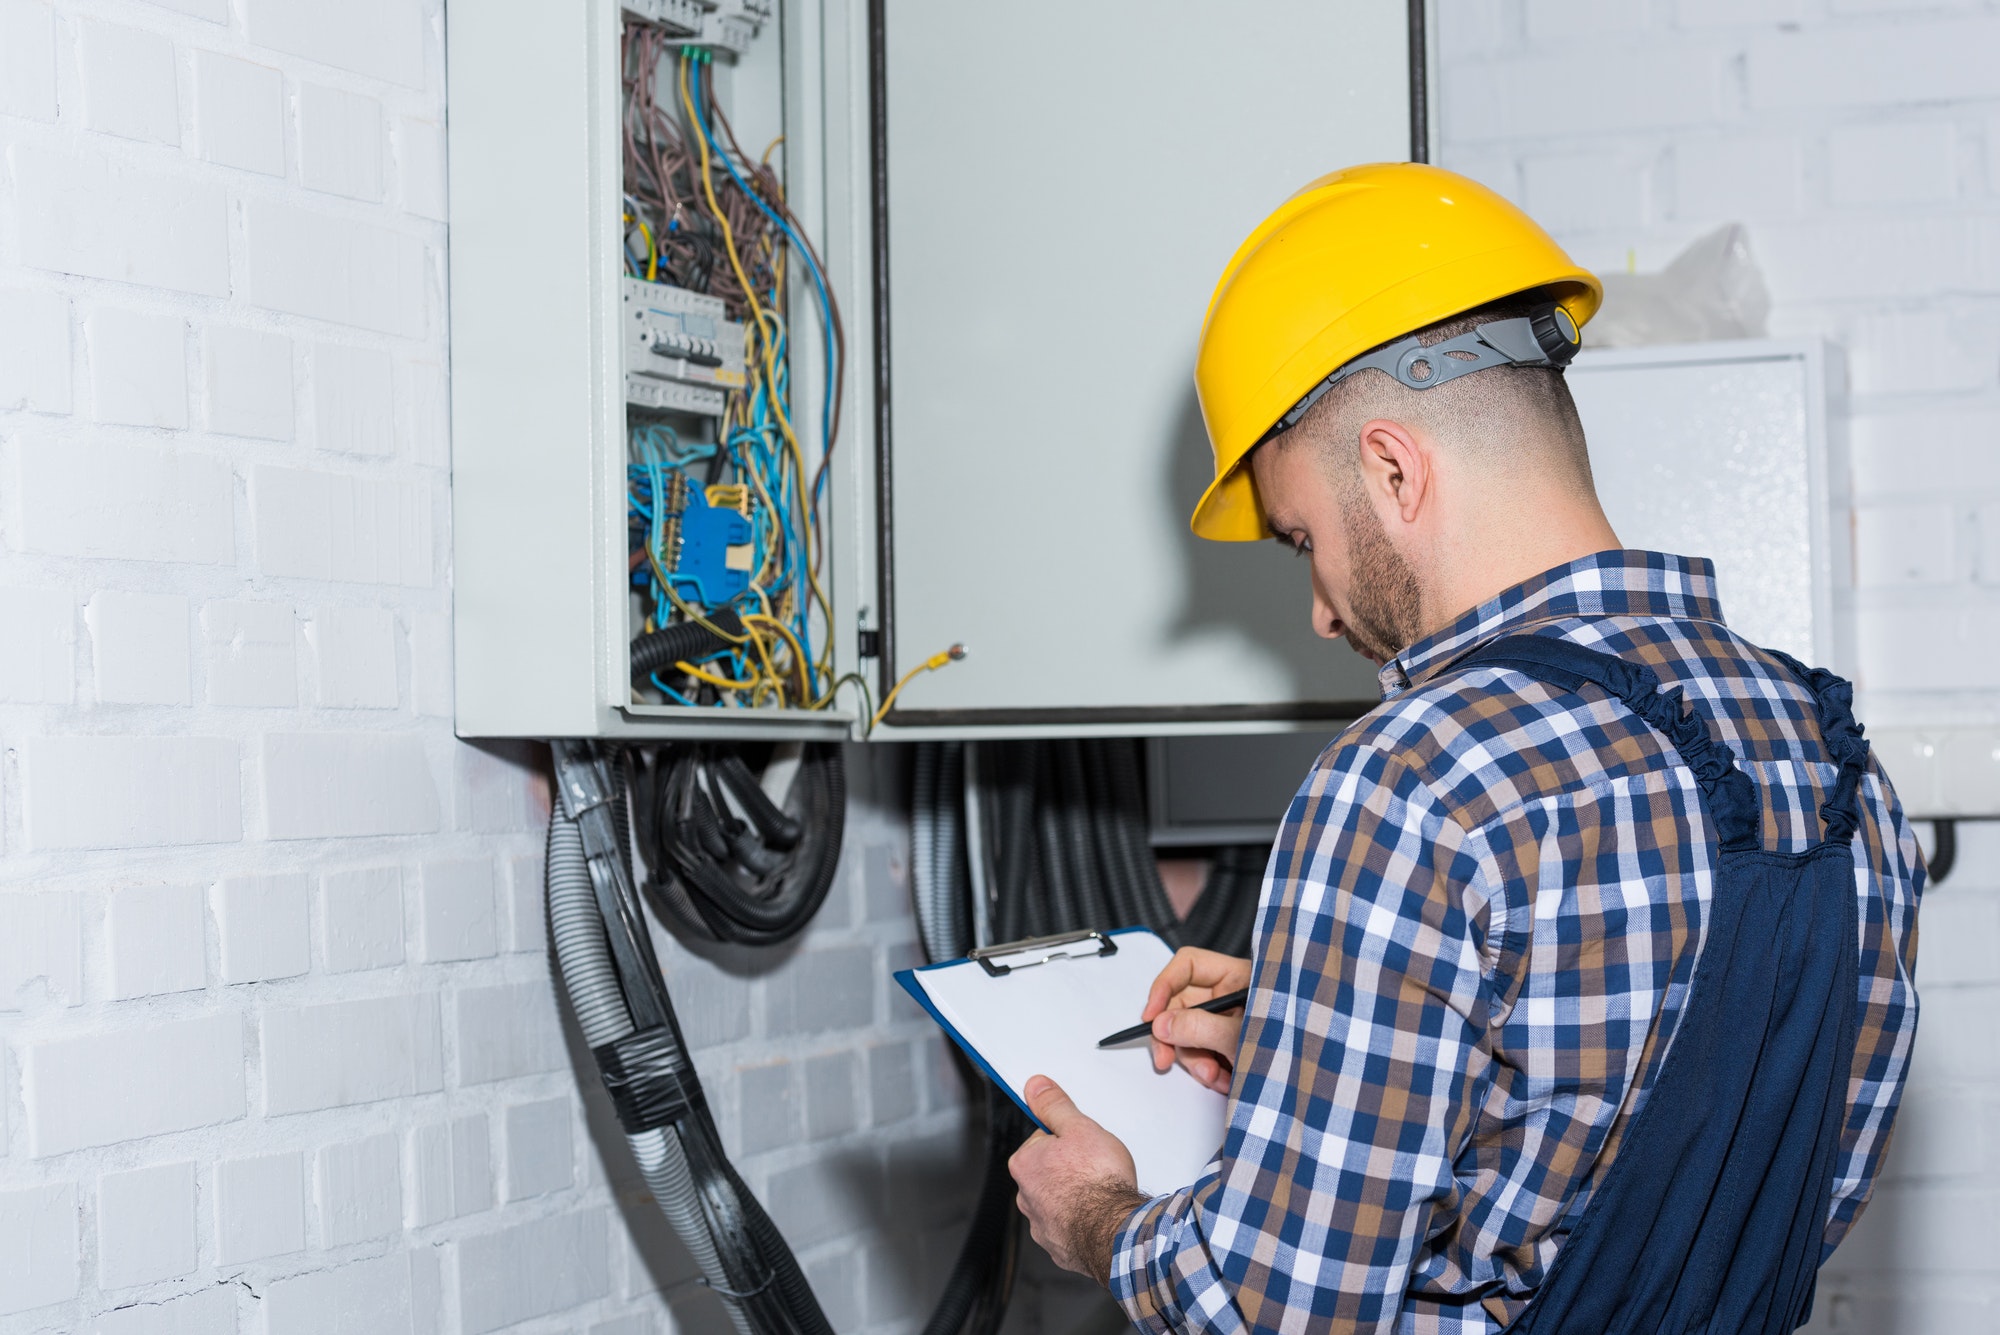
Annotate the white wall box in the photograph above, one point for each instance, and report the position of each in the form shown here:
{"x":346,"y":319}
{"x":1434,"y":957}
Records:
{"x":1022,"y":211}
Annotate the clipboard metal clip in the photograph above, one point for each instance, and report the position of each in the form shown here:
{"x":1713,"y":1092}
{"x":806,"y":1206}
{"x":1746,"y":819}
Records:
{"x":1041,"y":949}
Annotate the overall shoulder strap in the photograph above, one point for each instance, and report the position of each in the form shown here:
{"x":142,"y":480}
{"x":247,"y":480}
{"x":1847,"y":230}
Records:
{"x":1732,"y":799}
{"x":1833,"y":702}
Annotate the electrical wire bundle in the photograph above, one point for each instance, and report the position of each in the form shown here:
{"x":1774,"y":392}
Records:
{"x":702,"y":215}
{"x":1053,"y":834}
{"x":613,"y":980}
{"x":723,"y":861}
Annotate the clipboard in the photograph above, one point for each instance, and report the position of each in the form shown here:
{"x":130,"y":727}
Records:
{"x":1039,"y":1006}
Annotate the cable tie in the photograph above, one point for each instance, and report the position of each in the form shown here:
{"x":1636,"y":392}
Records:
{"x":770,"y":1277}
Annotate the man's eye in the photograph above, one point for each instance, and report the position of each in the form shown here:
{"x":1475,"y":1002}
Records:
{"x":1301,"y":546}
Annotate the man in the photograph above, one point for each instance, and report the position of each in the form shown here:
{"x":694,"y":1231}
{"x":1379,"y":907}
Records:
{"x":1587,"y":826}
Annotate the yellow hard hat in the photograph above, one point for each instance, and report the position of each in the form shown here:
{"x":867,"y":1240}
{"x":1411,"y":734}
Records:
{"x":1351,"y":261}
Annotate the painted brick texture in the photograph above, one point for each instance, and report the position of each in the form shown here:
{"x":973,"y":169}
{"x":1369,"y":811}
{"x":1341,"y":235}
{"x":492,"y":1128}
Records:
{"x":1859,"y":141}
{"x":279,"y":1053}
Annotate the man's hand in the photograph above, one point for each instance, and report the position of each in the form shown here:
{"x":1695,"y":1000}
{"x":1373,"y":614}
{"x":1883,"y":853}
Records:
{"x":1205,"y":1044}
{"x":1077,"y":1184}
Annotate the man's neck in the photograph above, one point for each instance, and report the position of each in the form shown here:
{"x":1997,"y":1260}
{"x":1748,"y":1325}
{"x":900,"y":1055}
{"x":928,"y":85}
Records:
{"x":1483,"y":559}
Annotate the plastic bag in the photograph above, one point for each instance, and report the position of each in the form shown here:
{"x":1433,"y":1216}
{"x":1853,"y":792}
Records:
{"x":1712,"y":290}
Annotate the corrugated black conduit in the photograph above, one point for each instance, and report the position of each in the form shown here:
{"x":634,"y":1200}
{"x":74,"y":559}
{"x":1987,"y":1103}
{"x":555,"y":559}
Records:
{"x":1067,"y":821}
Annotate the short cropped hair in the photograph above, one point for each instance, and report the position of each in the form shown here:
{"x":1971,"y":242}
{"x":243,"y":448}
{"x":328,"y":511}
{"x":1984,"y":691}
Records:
{"x":1493,"y":414}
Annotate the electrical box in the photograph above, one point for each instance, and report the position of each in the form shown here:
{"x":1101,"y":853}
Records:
{"x":1019,"y":213}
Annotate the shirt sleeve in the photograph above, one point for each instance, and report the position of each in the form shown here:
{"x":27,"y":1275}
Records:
{"x":1355,"y":1086}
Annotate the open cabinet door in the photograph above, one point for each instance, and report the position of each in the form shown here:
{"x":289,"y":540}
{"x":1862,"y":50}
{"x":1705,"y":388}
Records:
{"x":1056,"y":187}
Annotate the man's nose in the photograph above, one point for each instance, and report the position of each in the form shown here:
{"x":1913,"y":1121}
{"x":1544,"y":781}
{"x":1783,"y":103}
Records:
{"x":1324,"y":622}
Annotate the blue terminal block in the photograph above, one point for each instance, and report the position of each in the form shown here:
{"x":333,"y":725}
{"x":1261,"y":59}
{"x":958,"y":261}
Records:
{"x":711,"y":567}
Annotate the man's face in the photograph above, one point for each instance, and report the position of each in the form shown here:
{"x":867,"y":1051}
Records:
{"x":1363,"y":589}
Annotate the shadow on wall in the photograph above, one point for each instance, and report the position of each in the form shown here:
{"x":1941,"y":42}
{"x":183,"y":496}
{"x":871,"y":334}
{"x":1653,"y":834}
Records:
{"x":1250,"y":591}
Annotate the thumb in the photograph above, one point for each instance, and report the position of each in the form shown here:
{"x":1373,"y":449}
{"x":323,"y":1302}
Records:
{"x":1053,"y":1108}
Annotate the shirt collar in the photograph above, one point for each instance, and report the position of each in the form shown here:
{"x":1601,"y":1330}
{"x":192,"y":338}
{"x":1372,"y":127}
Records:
{"x":1603,"y":584}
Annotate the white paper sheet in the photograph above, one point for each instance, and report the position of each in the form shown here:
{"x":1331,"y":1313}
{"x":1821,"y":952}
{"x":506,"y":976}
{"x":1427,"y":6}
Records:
{"x":1046,"y":1020}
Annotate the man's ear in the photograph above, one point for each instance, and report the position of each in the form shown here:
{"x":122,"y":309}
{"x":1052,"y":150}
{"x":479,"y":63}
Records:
{"x":1395,"y":469}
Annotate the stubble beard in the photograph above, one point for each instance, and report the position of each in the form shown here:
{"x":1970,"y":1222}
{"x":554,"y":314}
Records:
{"x":1386,"y":615}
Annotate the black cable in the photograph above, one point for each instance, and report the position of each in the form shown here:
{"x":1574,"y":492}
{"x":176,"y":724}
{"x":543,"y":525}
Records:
{"x":752,"y":879}
{"x":1944,"y":850}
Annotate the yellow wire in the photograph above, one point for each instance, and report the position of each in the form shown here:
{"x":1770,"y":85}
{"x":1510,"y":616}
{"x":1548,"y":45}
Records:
{"x":728,"y":683}
{"x":770,"y":352}
{"x":798,"y":654}
{"x":937,"y":660}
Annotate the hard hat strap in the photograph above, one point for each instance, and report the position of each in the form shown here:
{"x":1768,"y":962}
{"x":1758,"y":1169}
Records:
{"x":1548,"y":338}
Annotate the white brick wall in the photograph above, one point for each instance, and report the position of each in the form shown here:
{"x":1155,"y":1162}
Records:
{"x":1859,"y":141}
{"x":278,"y":1049}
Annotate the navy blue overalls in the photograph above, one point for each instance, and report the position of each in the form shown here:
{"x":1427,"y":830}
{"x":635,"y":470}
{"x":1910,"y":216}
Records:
{"x":1711,"y":1218}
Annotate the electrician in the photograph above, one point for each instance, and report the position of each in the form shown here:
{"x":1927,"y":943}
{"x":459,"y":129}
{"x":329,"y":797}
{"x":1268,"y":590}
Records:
{"x":1581,"y":993}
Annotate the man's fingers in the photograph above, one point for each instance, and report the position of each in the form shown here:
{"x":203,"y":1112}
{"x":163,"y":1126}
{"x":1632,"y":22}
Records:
{"x":1193,"y":968}
{"x":1051,"y":1107}
{"x":1198,"y":1029}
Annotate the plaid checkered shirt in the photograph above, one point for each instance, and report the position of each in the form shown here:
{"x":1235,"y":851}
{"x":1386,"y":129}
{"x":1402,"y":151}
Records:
{"x":1477,"y":930}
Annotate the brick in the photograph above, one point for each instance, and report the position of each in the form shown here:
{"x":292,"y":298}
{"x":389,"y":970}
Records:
{"x":347,"y":1052}
{"x":1887,"y":256}
{"x":532,"y":1269}
{"x":354,"y":649}
{"x":239,"y":113}
{"x":37,"y":655}
{"x":132,"y":792}
{"x":1929,"y":648}
{"x":767,"y":1112}
{"x":261,"y":921}
{"x":1892,"y":164}
{"x":338,"y":784}
{"x":1552,"y":95}
{"x":1941,"y":1134}
{"x":1556,"y":22}
{"x":138,"y":367}
{"x":836,"y":1281}
{"x":128,"y":82}
{"x":360,"y":1190}
{"x":429,"y":1174}
{"x":642,"y":1324}
{"x":41,"y":948}
{"x":260,"y":1207}
{"x":145,"y":1225}
{"x":247,"y":654}
{"x":380,"y":38}
{"x":363,"y":915}
{"x":1708,"y":13}
{"x":27,"y":60}
{"x":131,"y":502}
{"x":1586,"y":191}
{"x":340,"y":141}
{"x":1947,"y":345}
{"x":1919,"y":1227}
{"x":503,"y":786}
{"x":430,"y":663}
{"x":892,"y":1084}
{"x":1953,"y":949}
{"x":354,"y":399}
{"x":204,"y":1312}
{"x":455,"y":915}
{"x":34,"y":347}
{"x":139,"y":647}
{"x":830,"y":1102}
{"x":471,"y":1165}
{"x":80,"y":211}
{"x":38,"y":1246}
{"x":540,"y":1153}
{"x":527,"y":914}
{"x":333,"y":268}
{"x":894,"y":1281}
{"x":371,"y":1295}
{"x":215,"y":11}
{"x":247,"y":382}
{"x":1497,"y":170}
{"x":425,"y":425}
{"x":331,"y":526}
{"x":1741,"y":176}
{"x":156,"y":940}
{"x":822,"y":990}
{"x":1987,"y":560}
{"x":122,"y":1084}
{"x":821,"y":1200}
{"x":507,"y":1031}
{"x":1876,"y":65}
{"x":713,"y":1005}
{"x":420,"y":174}
{"x":1905,"y":544}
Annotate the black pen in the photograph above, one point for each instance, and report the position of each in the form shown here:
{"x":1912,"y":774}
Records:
{"x":1228,"y":1001}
